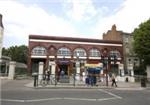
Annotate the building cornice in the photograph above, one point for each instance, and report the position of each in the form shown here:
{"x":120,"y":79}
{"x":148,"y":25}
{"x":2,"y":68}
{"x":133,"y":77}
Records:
{"x":72,"y":39}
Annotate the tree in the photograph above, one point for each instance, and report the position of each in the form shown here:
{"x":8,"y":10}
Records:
{"x":4,"y":51}
{"x":17,"y":53}
{"x":141,"y":43}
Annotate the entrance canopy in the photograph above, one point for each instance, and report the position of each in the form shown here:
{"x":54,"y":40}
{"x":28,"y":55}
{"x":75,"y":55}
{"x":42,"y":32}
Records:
{"x":64,"y":62}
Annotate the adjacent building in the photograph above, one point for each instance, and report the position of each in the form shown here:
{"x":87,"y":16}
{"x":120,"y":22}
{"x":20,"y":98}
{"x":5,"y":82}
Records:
{"x":130,"y":59}
{"x":1,"y":35}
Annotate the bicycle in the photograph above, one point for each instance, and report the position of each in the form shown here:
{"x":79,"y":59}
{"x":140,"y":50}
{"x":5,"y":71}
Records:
{"x":48,"y":81}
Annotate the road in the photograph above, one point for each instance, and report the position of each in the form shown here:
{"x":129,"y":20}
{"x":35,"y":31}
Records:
{"x":15,"y":93}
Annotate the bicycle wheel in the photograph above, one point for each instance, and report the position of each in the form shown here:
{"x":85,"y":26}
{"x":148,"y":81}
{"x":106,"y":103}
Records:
{"x":53,"y":81}
{"x":43,"y":83}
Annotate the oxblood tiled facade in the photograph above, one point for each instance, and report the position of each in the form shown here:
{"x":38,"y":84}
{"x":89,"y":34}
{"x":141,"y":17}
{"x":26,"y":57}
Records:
{"x":63,"y":52}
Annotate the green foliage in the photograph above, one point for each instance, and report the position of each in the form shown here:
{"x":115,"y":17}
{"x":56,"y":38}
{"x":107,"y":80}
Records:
{"x":17,"y":53}
{"x":142,"y":41}
{"x":21,"y":71}
{"x":140,"y":70}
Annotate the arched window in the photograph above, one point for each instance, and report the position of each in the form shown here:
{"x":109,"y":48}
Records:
{"x":80,"y":52}
{"x":94,"y":53}
{"x":63,"y":52}
{"x":115,"y":53}
{"x":39,"y":50}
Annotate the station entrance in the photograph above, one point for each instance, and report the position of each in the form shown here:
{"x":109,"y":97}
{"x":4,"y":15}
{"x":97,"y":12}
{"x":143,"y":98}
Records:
{"x":63,"y":67}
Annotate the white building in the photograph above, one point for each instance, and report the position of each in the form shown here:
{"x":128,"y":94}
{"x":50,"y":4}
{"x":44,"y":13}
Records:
{"x":1,"y":35}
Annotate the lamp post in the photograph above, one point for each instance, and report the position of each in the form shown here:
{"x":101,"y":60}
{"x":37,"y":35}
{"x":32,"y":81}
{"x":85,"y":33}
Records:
{"x":106,"y":60}
{"x":105,"y":65}
{"x":135,"y":63}
{"x":142,"y":60}
{"x":77,"y":65}
{"x":113,"y":59}
{"x":129,"y":67}
{"x":106,"y":70}
{"x":74,"y":78}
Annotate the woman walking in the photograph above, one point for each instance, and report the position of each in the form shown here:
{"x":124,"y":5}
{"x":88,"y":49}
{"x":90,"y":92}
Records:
{"x":113,"y":81}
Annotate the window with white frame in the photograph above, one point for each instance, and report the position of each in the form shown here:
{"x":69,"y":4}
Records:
{"x":94,"y":53}
{"x":39,"y":50}
{"x":63,"y":52}
{"x":115,"y":53}
{"x":80,"y":52}
{"x":126,"y":39}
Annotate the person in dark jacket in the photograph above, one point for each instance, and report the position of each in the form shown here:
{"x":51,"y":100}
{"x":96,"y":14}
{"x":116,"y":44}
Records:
{"x":114,"y":81}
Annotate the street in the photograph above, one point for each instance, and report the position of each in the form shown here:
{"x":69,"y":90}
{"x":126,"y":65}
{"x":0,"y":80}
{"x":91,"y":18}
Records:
{"x":15,"y":93}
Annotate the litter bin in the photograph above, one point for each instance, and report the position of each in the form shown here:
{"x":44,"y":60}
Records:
{"x":143,"y":82}
{"x":35,"y":76}
{"x":127,"y":79}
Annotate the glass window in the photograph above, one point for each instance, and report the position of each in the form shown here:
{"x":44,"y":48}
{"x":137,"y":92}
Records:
{"x":64,"y":52}
{"x":94,"y":53}
{"x":39,"y":51}
{"x":115,"y":53}
{"x":126,"y":39}
{"x":80,"y":52}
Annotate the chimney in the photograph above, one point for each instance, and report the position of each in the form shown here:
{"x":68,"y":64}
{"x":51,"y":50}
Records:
{"x":1,"y":23}
{"x":113,"y":27}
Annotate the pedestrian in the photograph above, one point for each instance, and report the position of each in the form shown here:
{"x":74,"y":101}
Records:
{"x":114,"y":81}
{"x":87,"y":80}
{"x":58,"y":74}
{"x":48,"y":76}
{"x":62,"y":73}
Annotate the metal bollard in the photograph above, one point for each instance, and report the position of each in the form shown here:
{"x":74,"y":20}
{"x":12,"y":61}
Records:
{"x":143,"y":82}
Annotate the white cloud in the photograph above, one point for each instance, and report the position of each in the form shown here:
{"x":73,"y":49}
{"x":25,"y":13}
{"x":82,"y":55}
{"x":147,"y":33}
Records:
{"x":20,"y":21}
{"x":127,"y":17}
{"x":82,"y":10}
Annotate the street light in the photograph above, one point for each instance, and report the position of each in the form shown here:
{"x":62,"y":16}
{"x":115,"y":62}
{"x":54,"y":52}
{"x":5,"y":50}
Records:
{"x":106,"y":61}
{"x":129,"y":67}
{"x":77,"y":65}
{"x":135,"y":63}
{"x":113,"y":59}
{"x":105,"y":65}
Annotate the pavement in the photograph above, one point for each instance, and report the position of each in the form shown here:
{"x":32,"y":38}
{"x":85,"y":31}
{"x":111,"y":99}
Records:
{"x":120,"y":86}
{"x":101,"y":85}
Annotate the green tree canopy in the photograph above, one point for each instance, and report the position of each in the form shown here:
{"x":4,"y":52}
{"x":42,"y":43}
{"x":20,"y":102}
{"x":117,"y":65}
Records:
{"x":17,"y":53}
{"x":142,"y":41}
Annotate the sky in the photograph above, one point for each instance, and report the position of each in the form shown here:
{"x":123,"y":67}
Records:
{"x":69,"y":18}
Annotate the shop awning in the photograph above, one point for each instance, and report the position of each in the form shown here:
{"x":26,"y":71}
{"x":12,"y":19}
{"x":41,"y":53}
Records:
{"x":94,"y":70}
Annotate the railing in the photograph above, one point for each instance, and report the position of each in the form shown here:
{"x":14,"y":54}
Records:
{"x":73,"y":80}
{"x":3,"y":75}
{"x":87,"y":80}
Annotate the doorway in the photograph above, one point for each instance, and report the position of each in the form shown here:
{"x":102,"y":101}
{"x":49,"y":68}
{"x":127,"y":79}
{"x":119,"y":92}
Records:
{"x":64,"y":67}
